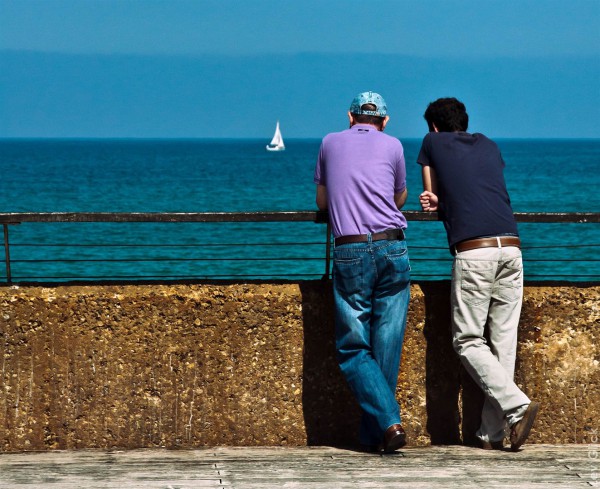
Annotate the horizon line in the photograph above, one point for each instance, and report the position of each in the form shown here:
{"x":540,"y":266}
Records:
{"x":474,"y":57}
{"x":226,"y":138}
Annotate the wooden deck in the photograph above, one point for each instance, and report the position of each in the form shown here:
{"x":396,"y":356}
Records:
{"x":556,"y":466}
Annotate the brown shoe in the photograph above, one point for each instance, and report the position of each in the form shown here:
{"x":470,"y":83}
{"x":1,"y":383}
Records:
{"x":520,"y":430}
{"x":394,"y":438}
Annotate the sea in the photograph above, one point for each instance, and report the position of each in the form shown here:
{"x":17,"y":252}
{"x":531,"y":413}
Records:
{"x":142,"y":175}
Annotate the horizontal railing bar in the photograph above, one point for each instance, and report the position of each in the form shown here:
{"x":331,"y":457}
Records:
{"x":274,"y":216}
{"x":561,"y":246}
{"x":128,"y":260}
{"x":157,"y":245}
{"x":279,"y":216}
{"x":214,"y":245}
{"x":175,"y":276}
{"x":558,"y":217}
{"x":151,"y":260}
{"x":415,"y":276}
{"x":529,"y":276}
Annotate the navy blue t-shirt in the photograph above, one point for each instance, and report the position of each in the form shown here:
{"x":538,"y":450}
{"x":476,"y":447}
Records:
{"x":473,"y":200}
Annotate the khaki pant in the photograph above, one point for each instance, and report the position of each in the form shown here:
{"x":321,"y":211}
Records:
{"x":487,"y":293}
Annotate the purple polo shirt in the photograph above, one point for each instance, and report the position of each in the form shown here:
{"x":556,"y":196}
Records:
{"x":362,"y":168}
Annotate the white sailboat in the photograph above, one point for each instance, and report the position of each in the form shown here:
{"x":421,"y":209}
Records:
{"x":276,"y":143}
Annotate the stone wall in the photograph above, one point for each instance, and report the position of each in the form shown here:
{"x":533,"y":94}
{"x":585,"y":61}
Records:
{"x":128,"y":366}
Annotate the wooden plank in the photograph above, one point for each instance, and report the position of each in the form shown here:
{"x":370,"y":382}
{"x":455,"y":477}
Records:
{"x":536,"y":466}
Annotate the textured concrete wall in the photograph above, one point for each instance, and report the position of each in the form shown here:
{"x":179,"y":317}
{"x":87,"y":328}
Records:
{"x":254,"y":364}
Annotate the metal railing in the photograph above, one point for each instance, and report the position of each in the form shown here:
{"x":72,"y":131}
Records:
{"x":217,"y":254}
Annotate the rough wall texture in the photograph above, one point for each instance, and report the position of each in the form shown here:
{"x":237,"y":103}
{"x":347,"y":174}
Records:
{"x":254,"y":364}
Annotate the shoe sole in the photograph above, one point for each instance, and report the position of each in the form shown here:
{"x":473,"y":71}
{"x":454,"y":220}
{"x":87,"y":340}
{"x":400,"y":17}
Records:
{"x":528,"y":419}
{"x":397,"y":442}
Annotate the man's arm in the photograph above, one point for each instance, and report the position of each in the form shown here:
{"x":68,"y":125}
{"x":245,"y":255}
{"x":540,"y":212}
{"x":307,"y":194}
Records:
{"x":429,"y":179}
{"x":400,"y":198}
{"x":429,"y":198}
{"x":322,"y":197}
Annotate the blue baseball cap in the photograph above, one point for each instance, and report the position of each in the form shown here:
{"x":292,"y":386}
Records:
{"x":369,"y":98}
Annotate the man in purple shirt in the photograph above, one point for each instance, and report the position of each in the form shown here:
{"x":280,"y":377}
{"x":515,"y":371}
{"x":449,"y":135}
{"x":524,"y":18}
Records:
{"x":361,"y":180}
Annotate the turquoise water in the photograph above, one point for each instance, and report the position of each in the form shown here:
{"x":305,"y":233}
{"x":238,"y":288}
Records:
{"x":239,"y":176}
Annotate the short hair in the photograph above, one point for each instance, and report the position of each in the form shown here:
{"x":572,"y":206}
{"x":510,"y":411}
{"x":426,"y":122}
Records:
{"x":447,"y":114}
{"x":369,"y":119}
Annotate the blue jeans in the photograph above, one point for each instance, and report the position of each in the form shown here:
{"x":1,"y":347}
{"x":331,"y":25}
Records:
{"x":371,"y":287}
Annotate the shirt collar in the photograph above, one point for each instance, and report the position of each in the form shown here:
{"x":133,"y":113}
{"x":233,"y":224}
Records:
{"x":363,"y":127}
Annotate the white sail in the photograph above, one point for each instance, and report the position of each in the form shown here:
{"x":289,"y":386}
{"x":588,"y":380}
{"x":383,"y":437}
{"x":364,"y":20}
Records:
{"x":276,"y":143}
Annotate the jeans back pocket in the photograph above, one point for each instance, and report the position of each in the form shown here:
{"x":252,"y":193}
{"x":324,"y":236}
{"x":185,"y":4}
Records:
{"x":347,"y":275}
{"x":398,"y":263}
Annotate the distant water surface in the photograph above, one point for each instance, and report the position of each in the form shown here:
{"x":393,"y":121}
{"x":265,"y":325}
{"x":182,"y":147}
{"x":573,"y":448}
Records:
{"x":239,"y":175}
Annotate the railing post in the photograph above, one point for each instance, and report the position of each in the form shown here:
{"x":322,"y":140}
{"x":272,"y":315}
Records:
{"x":7,"y":254}
{"x":327,"y":251}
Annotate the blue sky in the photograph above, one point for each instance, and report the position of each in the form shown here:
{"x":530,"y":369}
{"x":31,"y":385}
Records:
{"x":119,"y":68}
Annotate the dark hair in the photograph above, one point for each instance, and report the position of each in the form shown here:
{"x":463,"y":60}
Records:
{"x":448,"y":115}
{"x":374,"y":120}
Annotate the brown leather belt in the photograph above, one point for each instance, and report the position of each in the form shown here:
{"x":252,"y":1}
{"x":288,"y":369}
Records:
{"x":497,"y":242}
{"x":363,"y":238}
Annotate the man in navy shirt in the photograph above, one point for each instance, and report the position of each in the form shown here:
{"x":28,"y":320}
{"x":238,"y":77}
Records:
{"x":463,"y":180}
